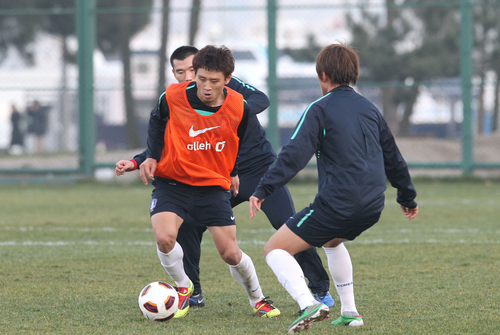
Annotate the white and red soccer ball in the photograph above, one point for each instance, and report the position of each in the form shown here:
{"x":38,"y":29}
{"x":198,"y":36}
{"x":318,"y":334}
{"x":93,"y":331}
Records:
{"x":158,"y":301}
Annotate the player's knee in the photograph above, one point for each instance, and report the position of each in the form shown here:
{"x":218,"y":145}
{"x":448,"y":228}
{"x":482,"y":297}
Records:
{"x":231,"y":256}
{"x":165,"y":243}
{"x":268,"y":247}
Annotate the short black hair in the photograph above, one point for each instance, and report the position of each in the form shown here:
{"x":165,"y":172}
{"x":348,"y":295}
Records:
{"x":182,"y":53}
{"x":340,"y":63}
{"x":212,"y":58}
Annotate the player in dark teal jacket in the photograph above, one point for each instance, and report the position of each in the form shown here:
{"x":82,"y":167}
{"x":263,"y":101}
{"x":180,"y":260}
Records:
{"x":355,"y":152}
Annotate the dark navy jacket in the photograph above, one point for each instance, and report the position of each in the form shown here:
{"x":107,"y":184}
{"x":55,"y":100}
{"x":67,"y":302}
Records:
{"x":255,"y":150}
{"x":355,"y":153}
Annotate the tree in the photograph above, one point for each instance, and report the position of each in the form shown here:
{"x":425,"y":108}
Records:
{"x":486,"y":52}
{"x":307,"y":54}
{"x":495,"y":65}
{"x":17,"y":31}
{"x":435,"y":54}
{"x":438,"y":54}
{"x":114,"y":32}
{"x":163,"y":45}
{"x":194,"y":21}
{"x":376,"y":38}
{"x":62,"y":26}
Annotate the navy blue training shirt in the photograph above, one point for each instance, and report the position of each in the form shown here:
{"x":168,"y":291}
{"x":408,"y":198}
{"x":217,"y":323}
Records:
{"x":355,"y":152}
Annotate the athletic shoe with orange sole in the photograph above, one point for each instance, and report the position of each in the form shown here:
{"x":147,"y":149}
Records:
{"x":184,"y":294}
{"x":265,"y":309}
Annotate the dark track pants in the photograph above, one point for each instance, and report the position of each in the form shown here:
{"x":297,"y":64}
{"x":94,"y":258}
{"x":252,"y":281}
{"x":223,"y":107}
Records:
{"x":278,"y":208}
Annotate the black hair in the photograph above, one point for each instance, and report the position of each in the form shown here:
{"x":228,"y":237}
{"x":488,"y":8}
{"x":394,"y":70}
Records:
{"x":182,"y":53}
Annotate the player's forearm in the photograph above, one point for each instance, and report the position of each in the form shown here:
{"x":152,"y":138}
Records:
{"x":280,"y":172}
{"x":135,"y":164}
{"x":234,"y":172}
{"x":139,"y":158}
{"x":396,"y":168}
{"x":398,"y":175}
{"x":293,"y":157}
{"x":406,"y":196}
{"x":155,"y":140}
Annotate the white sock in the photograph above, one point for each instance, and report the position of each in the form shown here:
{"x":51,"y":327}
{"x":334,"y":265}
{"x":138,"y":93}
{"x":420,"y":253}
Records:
{"x":172,"y":262}
{"x":340,"y":266}
{"x":245,"y":274}
{"x":291,"y":276}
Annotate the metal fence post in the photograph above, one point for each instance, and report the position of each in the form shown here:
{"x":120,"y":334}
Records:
{"x":466,"y":45}
{"x":85,"y":27}
{"x":272,"y":80}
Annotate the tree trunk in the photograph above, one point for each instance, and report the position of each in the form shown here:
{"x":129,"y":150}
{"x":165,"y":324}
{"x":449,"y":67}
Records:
{"x":390,"y":12}
{"x":482,"y":68}
{"x":163,"y":47}
{"x":404,"y":128}
{"x":496,"y":108}
{"x":131,"y":127}
{"x":194,"y":22}
{"x":389,"y":108}
{"x":480,"y":107}
{"x":63,"y":116}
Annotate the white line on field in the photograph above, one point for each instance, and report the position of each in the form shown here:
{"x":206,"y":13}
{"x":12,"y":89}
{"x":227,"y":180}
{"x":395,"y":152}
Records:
{"x":77,"y":229}
{"x":240,"y":242}
{"x":66,"y":243}
{"x":375,"y":230}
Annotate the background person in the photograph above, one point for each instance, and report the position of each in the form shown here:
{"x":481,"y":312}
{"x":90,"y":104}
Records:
{"x":37,"y":124}
{"x":17,"y":133}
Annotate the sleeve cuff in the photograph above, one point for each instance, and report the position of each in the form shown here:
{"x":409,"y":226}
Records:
{"x":409,"y":204}
{"x":135,"y":164}
{"x":259,"y":193}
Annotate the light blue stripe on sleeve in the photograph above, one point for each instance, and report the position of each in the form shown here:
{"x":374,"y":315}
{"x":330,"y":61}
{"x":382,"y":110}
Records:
{"x":242,"y":83}
{"x":161,"y":96}
{"x":304,"y":115}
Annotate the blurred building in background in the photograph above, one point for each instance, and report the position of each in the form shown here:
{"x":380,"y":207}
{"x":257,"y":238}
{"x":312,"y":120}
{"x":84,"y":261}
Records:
{"x":409,"y":52}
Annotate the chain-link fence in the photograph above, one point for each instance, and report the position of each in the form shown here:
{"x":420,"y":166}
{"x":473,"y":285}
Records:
{"x":417,"y":57}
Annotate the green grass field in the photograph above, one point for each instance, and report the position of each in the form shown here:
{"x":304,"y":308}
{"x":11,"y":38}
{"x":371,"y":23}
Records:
{"x":73,"y":259}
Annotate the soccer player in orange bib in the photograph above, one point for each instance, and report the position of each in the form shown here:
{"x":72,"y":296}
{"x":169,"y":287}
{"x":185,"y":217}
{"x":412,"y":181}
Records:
{"x":193,"y":142}
{"x":255,"y":154}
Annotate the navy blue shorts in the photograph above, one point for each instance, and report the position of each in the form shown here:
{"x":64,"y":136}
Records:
{"x":208,"y":205}
{"x":278,"y":207}
{"x":317,"y":224}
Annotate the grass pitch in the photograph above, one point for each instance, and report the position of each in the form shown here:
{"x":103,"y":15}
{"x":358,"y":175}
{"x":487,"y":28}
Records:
{"x":74,"y":258}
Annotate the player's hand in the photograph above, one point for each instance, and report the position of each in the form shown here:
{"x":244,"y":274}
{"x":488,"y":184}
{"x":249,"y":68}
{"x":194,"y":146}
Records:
{"x":410,"y":213}
{"x":123,"y":166}
{"x":255,"y":204}
{"x":148,"y":168}
{"x":235,"y":185}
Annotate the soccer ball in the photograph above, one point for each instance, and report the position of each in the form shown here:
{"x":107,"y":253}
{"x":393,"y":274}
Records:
{"x":158,"y":301}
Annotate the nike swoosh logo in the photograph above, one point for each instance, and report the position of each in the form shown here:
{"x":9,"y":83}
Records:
{"x":194,"y":133}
